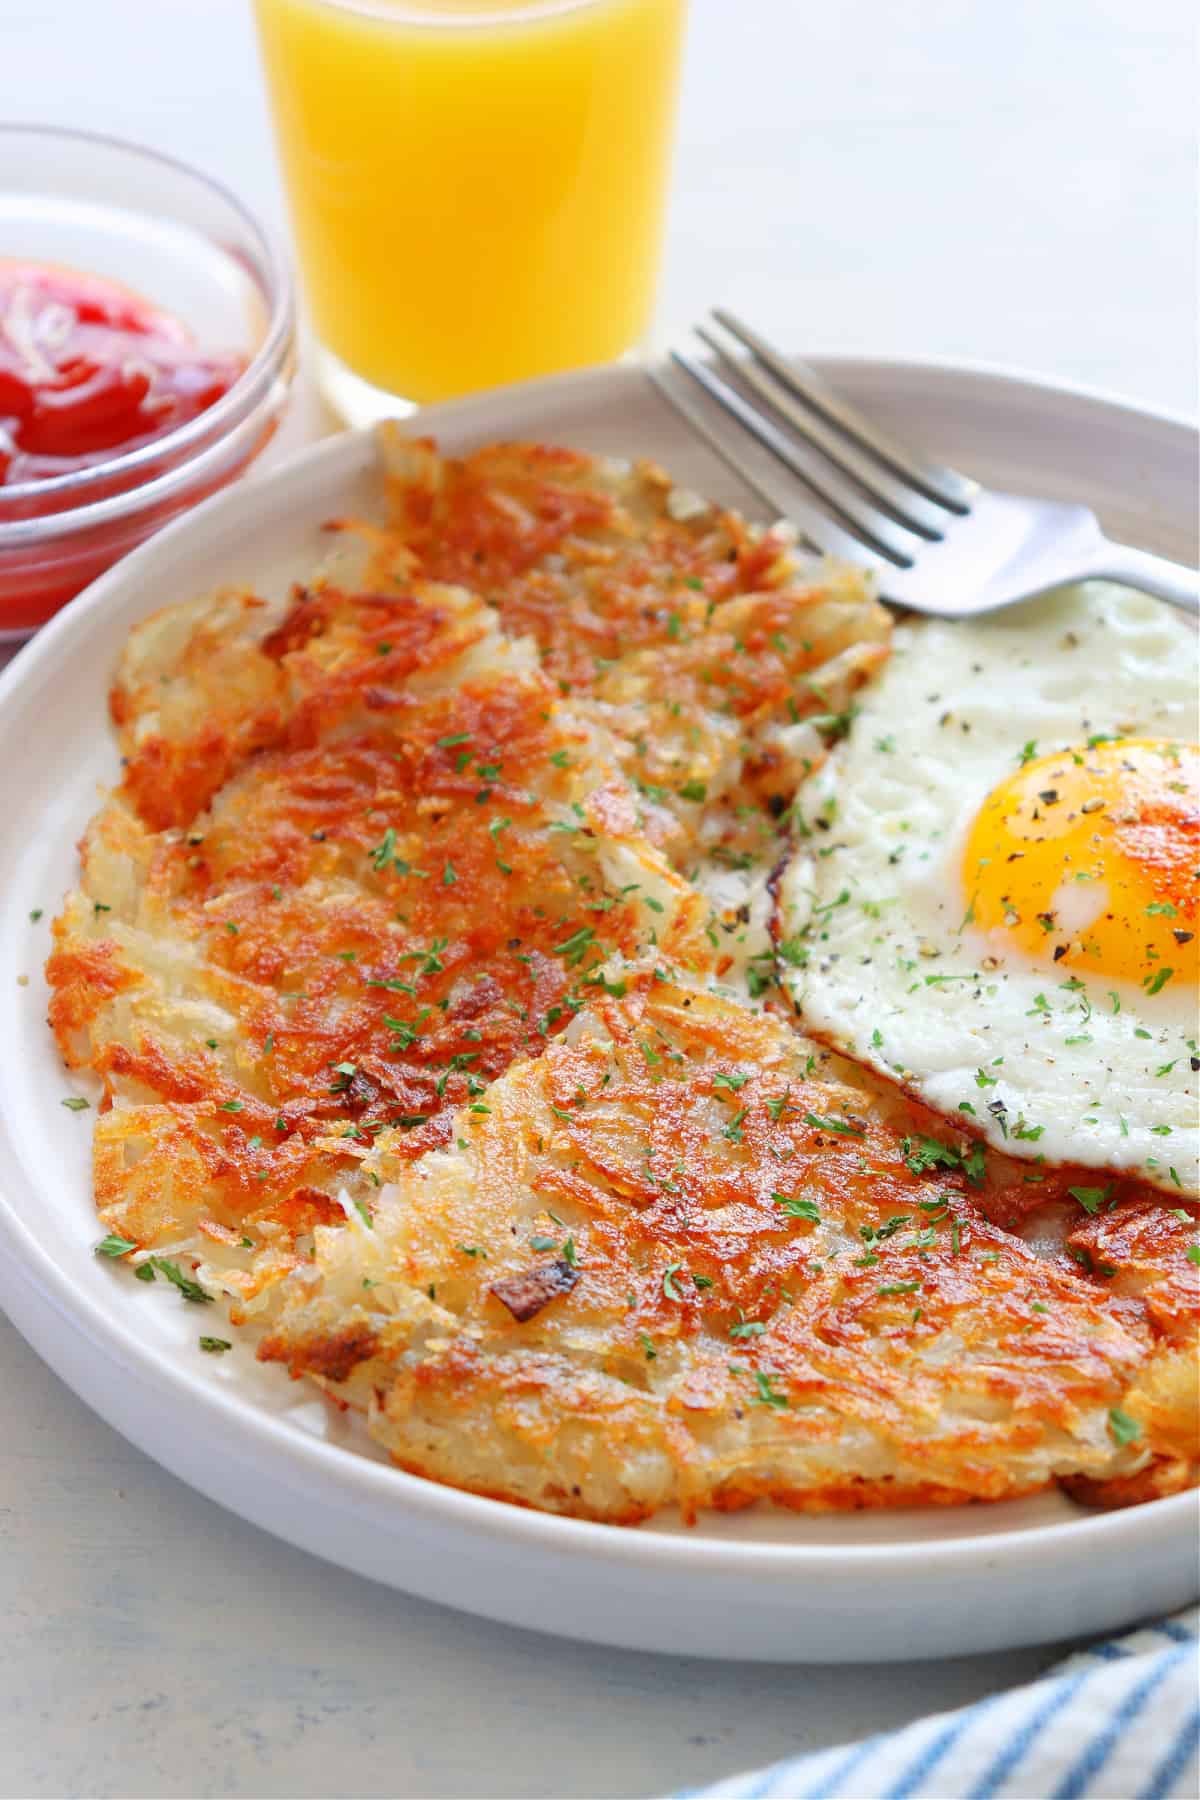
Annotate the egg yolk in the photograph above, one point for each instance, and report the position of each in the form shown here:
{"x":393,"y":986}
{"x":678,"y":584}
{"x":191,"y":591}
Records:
{"x":1091,"y":858}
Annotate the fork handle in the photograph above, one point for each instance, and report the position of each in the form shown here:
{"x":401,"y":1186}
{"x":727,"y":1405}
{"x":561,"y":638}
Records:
{"x":1170,"y":581}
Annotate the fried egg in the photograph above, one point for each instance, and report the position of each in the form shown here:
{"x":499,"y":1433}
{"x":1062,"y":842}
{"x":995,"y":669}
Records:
{"x":995,"y":896}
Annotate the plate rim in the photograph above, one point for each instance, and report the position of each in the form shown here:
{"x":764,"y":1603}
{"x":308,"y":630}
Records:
{"x":989,"y":374}
{"x":349,"y":1478}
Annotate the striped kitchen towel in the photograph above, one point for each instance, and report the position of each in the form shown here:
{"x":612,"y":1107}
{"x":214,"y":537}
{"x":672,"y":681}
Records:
{"x":1119,"y":1721}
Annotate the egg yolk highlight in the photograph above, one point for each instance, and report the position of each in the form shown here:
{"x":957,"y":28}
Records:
{"x":1091,"y":858}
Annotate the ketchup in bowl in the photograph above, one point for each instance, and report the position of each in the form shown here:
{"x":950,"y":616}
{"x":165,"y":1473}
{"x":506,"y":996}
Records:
{"x":147,"y":349}
{"x":90,"y":371}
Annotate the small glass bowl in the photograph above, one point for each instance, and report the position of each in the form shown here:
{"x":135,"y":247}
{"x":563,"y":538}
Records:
{"x":186,"y":245}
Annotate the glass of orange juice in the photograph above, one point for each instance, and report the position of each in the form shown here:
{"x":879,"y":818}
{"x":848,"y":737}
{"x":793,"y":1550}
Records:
{"x":477,"y":187}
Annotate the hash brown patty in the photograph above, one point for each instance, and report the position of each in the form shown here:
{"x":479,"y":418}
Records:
{"x":422,"y":955}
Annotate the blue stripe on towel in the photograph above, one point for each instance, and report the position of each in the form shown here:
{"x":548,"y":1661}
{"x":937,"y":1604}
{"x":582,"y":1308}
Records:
{"x":1178,"y":1634}
{"x":1014,"y":1752}
{"x":1082,"y":1773}
{"x":1084,"y":1728}
{"x":941,"y":1745}
{"x":1106,"y":1652}
{"x":1175,"y":1761}
{"x":758,"y":1790}
{"x":836,"y":1777}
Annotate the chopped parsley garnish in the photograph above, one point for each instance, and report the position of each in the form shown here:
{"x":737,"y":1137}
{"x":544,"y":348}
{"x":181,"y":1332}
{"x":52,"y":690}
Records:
{"x":384,"y":851}
{"x":924,"y":1153}
{"x":574,"y":948}
{"x":112,"y":1245}
{"x":797,"y":1208}
{"x":974,"y":1165}
{"x":191,"y":1290}
{"x":76,"y":1103}
{"x":215,"y":1346}
{"x":876,"y":1234}
{"x":733,"y":1131}
{"x":1124,"y":1429}
{"x":616,"y":988}
{"x":747,"y":1328}
{"x":792,"y":950}
{"x":834,"y":725}
{"x":841,"y":1127}
{"x":1090,"y":1198}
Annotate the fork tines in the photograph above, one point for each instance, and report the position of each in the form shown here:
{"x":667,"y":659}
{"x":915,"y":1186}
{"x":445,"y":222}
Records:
{"x":848,"y":487}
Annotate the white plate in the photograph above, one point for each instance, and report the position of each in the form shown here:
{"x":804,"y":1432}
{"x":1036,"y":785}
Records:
{"x":763,"y":1584}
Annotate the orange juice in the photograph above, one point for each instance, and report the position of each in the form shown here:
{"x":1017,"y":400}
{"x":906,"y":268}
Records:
{"x":476,"y":186}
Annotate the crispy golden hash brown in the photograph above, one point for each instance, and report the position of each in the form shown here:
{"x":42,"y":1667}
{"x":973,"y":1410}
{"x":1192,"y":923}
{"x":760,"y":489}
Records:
{"x":667,"y":1265}
{"x":355,"y":938}
{"x":422,"y":956}
{"x":589,"y":557}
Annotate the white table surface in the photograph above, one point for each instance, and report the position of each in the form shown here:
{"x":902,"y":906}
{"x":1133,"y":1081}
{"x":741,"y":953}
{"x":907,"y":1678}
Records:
{"x":1002,"y":183}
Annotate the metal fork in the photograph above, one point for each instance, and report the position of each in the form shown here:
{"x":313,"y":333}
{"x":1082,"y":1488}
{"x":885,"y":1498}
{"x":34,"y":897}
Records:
{"x":938,"y":541}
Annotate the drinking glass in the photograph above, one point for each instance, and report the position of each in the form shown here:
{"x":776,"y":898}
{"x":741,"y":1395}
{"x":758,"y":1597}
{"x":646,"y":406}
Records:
{"x":477,"y":187}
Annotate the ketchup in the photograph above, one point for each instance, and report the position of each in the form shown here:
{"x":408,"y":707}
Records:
{"x":89,"y":371}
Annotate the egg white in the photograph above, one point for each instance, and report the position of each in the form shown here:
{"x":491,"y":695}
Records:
{"x":880,"y":955}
